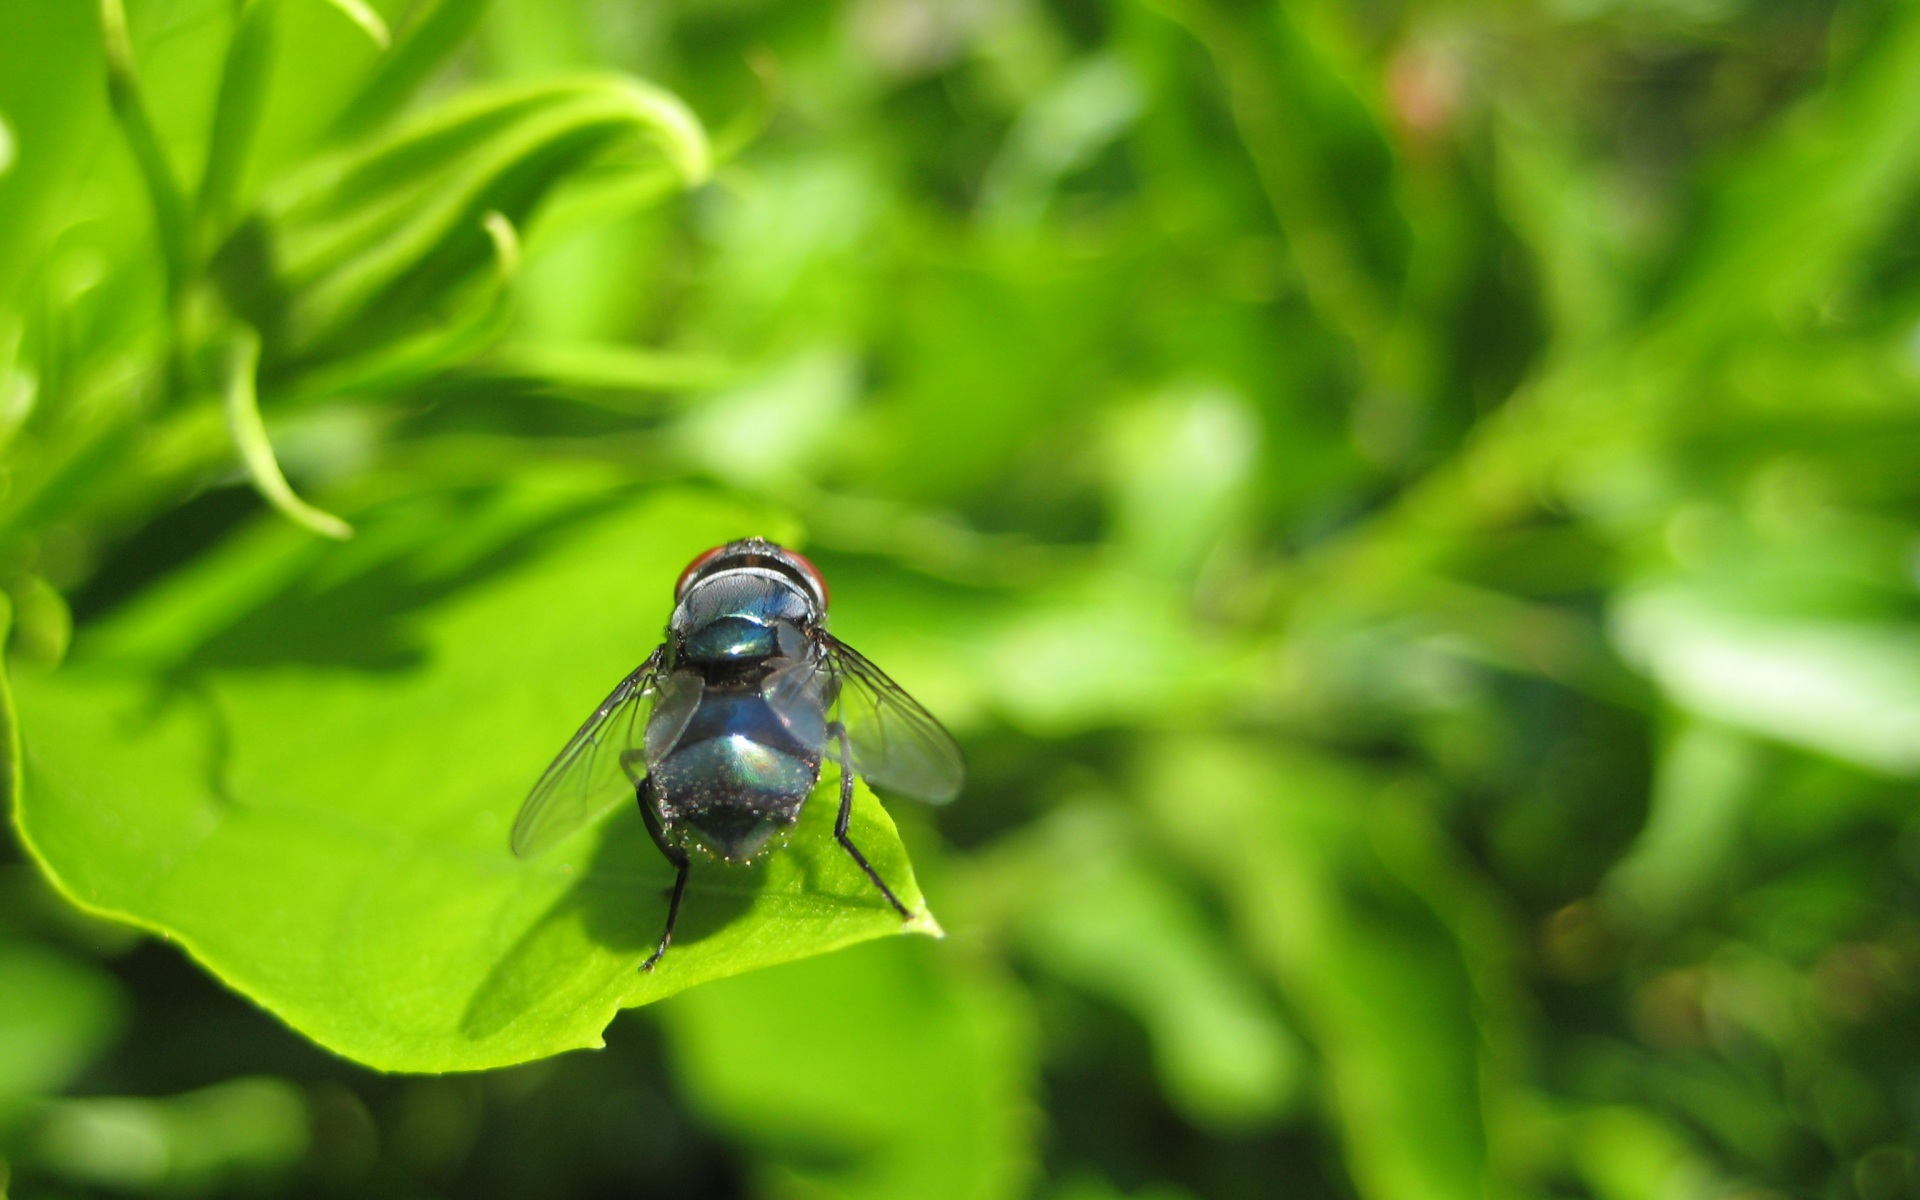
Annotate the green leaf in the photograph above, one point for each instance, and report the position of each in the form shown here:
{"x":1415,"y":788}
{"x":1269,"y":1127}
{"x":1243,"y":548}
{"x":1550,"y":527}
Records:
{"x":366,"y":247}
{"x":1089,"y":907}
{"x":413,"y":359}
{"x":1845,"y":687}
{"x":301,"y":761}
{"x":366,"y":20}
{"x":42,"y":625}
{"x":7,"y":148}
{"x":187,"y":1144}
{"x":881,"y":1073}
{"x":1556,"y":206}
{"x":56,"y":1014}
{"x":129,"y":104}
{"x":1315,"y":875}
{"x":1301,"y":121}
{"x":593,"y":367}
{"x":1703,"y":788}
{"x":1794,"y":217}
{"x":1627,"y":1153}
{"x":236,"y":114}
{"x":256,"y":449}
{"x":422,"y":46}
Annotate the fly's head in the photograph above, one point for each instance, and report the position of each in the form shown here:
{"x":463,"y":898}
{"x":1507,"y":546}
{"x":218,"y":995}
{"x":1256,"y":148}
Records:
{"x":757,"y":555}
{"x":740,"y":604}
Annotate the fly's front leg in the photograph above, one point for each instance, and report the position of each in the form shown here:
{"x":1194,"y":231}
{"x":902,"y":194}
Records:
{"x":643,"y":790}
{"x":839,"y":732}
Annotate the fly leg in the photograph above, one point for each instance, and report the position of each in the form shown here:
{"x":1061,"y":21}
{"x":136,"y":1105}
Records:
{"x":678,"y":858}
{"x":643,"y":789}
{"x":839,"y":731}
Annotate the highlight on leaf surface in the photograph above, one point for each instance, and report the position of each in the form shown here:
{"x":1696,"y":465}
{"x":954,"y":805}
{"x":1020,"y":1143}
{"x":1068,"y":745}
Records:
{"x":366,"y":20}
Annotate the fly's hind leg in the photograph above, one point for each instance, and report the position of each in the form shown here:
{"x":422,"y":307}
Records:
{"x":643,"y":789}
{"x":678,"y":858}
{"x":839,"y":732}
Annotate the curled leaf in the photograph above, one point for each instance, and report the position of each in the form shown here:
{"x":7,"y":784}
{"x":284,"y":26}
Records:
{"x":256,"y":451}
{"x":475,"y":327}
{"x":373,"y":245}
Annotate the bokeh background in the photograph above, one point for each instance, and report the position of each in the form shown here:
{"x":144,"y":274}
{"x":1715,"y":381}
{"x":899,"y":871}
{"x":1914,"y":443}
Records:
{"x":1410,"y":508}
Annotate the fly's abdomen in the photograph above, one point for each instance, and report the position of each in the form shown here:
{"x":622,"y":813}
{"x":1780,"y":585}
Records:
{"x":735,"y":777}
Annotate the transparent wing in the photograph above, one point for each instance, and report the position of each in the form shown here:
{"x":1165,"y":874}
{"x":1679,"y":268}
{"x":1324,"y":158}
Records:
{"x":586,"y":779}
{"x":897,"y":745}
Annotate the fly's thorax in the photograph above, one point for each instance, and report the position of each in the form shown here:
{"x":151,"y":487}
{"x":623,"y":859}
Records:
{"x":777,"y":702}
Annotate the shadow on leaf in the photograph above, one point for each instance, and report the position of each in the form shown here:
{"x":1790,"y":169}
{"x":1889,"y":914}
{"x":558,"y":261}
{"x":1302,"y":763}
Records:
{"x":615,"y":912}
{"x":361,"y":618}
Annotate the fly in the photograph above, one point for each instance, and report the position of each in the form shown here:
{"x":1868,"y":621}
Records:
{"x":721,"y":732}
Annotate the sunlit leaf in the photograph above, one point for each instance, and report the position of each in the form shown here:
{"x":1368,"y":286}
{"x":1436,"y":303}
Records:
{"x":365,"y":19}
{"x":1843,"y":687}
{"x":301,"y":762}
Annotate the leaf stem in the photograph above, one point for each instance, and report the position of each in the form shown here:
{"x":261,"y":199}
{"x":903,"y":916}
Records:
{"x":422,"y":45}
{"x":128,"y":102}
{"x":236,"y":115}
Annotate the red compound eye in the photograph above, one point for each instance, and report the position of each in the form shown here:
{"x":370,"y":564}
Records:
{"x":750,"y":550}
{"x":693,"y":568}
{"x":819,"y":580}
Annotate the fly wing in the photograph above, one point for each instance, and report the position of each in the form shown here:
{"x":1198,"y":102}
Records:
{"x":587,"y":779}
{"x":897,"y":745}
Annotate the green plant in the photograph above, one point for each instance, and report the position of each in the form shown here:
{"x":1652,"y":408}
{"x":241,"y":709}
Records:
{"x":1408,"y":508}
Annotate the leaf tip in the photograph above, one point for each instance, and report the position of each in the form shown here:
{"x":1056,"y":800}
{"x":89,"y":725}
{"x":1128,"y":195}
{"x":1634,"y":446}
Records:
{"x":249,"y":432}
{"x":682,"y":138}
{"x":506,"y":243}
{"x":366,"y":20}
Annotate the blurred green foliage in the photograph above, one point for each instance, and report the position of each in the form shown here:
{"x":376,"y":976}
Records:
{"x":1408,"y":507}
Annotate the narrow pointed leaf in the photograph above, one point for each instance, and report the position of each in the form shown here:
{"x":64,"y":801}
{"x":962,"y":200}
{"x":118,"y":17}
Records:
{"x":256,"y":450}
